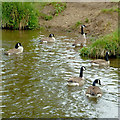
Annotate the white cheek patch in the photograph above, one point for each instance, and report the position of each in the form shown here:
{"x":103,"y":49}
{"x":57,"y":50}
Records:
{"x":18,"y":45}
{"x":83,"y":26}
{"x":84,"y":68}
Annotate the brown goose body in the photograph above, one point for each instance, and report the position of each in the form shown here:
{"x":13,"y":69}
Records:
{"x":77,"y":81}
{"x":82,"y":38}
{"x":94,"y":91}
{"x":80,"y":42}
{"x":99,"y":62}
{"x":13,"y":51}
{"x":17,"y":50}
{"x":49,"y":39}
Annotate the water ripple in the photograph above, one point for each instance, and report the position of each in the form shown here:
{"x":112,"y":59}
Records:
{"x":36,"y":81}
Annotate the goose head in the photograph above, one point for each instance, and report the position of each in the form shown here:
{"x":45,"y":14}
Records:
{"x":18,"y":45}
{"x":51,"y":35}
{"x":106,"y":56}
{"x":97,"y":81}
{"x":83,"y":68}
{"x":83,"y":26}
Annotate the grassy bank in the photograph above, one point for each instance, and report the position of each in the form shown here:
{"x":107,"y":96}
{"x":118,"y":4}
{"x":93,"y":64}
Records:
{"x":99,"y":47}
{"x":55,"y":9}
{"x":24,"y":15}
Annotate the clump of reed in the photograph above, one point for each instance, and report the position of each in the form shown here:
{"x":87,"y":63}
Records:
{"x":99,"y":47}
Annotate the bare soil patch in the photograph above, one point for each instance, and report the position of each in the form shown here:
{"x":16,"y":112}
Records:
{"x":99,"y":23}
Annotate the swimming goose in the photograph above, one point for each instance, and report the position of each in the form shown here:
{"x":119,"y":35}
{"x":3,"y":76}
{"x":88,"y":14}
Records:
{"x":82,"y":40}
{"x":94,"y":91}
{"x":77,"y":81}
{"x":99,"y":62}
{"x":18,"y":49}
{"x":51,"y":38}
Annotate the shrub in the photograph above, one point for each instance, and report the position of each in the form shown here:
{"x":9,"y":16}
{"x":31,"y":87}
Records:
{"x":19,"y":15}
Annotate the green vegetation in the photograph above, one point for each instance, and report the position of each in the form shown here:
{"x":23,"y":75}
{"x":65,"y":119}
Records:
{"x":19,"y":15}
{"x":76,"y":25}
{"x":100,"y":46}
{"x":110,"y":10}
{"x":59,"y":7}
{"x":86,"y":20}
{"x":24,"y":15}
{"x":0,"y":14}
{"x":46,"y":17}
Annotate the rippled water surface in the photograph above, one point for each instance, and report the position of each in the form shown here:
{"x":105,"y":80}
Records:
{"x":35,"y":83}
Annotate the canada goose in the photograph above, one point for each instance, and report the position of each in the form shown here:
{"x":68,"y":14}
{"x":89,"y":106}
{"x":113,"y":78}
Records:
{"x":94,"y":91}
{"x":18,"y":49}
{"x":82,"y":40}
{"x":51,"y":38}
{"x":77,"y":81}
{"x":99,"y":62}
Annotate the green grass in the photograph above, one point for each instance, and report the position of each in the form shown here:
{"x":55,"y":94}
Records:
{"x":99,"y":47}
{"x":76,"y":25}
{"x":86,"y":20}
{"x":18,"y":15}
{"x":111,"y":10}
{"x":45,"y":16}
{"x":59,"y":7}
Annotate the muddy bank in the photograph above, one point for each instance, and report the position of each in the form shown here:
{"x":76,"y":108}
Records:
{"x":100,"y":18}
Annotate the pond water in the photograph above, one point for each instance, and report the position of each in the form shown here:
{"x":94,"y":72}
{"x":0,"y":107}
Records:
{"x":34,"y":83}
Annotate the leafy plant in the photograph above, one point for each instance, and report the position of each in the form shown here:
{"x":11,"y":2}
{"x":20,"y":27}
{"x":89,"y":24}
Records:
{"x":48,"y":17}
{"x":19,"y":15}
{"x":76,"y":25}
{"x":84,"y":51}
{"x":59,"y":7}
{"x":86,"y":20}
{"x":110,"y":10}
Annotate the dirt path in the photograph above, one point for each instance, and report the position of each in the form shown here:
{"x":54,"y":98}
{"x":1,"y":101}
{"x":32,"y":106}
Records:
{"x":98,"y":22}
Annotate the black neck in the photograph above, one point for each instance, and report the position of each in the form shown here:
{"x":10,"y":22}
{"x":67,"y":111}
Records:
{"x":106,"y":57}
{"x":94,"y":83}
{"x":82,"y":30}
{"x":81,"y":72}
